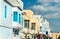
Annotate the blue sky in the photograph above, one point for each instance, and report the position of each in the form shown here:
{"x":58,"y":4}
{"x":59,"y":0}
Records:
{"x":50,"y":9}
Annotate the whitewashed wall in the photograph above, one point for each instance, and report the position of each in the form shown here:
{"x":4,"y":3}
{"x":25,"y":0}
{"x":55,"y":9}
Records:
{"x":21,"y":4}
{"x":0,"y":11}
{"x":8,"y":20}
{"x":44,"y":25}
{"x":20,"y":12}
{"x":5,"y":33}
{"x":15,"y":24}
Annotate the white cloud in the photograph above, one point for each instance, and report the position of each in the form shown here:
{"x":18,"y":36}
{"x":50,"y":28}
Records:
{"x":46,"y":1}
{"x":53,"y":15}
{"x":46,"y":7}
{"x":38,"y":7}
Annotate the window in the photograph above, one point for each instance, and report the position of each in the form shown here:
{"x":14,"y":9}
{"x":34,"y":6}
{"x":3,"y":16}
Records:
{"x":22,"y":20}
{"x":16,"y":31}
{"x":33,"y":25}
{"x":26,"y":23}
{"x":15,"y":16}
{"x":5,"y":11}
{"x":19,"y":18}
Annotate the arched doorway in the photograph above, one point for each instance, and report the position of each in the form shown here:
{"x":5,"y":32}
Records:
{"x":59,"y":37}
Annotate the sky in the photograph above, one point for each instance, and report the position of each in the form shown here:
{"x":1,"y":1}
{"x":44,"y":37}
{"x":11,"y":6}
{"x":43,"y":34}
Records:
{"x":50,"y":9}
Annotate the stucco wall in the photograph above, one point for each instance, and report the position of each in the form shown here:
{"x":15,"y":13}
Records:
{"x":8,"y":20}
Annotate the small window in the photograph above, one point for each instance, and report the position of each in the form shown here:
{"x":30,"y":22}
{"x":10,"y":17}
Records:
{"x":33,"y":25}
{"x":5,"y":11}
{"x":19,"y":18}
{"x":26,"y":23}
{"x":15,"y":16}
{"x":22,"y":20}
{"x":16,"y":31}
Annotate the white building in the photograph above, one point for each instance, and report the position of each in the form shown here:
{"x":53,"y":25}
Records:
{"x":44,"y":24}
{"x":17,"y":21}
{"x":7,"y":22}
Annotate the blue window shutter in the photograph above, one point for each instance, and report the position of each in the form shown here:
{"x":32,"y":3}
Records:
{"x":5,"y":11}
{"x":15,"y":16}
{"x":22,"y":20}
{"x":19,"y":18}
